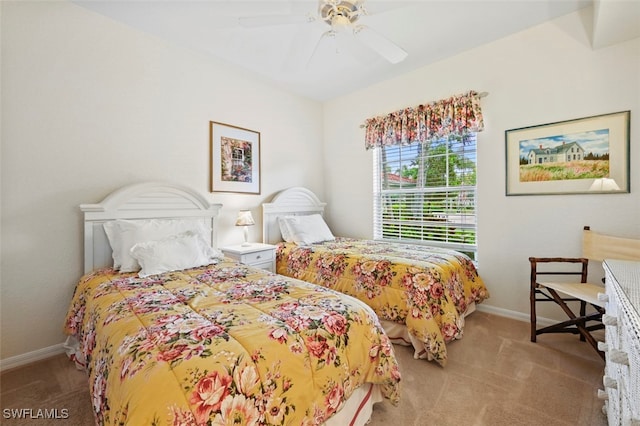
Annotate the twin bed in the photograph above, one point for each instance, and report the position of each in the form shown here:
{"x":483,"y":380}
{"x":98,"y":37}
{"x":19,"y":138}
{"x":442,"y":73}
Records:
{"x":218,"y":343}
{"x":186,"y":336}
{"x":421,"y":294}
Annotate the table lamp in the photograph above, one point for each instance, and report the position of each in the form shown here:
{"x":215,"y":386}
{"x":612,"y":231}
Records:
{"x":245,"y":220}
{"x":604,"y":184}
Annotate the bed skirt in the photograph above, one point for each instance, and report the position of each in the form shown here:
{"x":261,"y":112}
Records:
{"x":399,"y":335}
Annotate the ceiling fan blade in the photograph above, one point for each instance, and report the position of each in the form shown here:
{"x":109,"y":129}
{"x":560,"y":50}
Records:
{"x":273,"y":20}
{"x":350,"y":47}
{"x":382,"y":7}
{"x":383,"y":46}
{"x":325,"y":36}
{"x":303,"y":47}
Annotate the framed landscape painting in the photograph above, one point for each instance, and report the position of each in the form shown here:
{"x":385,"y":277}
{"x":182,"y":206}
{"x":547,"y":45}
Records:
{"x":234,"y":158}
{"x":582,"y":156}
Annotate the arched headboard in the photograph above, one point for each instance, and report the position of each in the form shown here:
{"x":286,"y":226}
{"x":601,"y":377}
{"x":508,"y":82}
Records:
{"x":149,"y":200}
{"x":292,"y":201}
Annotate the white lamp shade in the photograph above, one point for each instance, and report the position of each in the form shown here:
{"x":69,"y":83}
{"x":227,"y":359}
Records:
{"x":604,"y":184}
{"x":244,"y":218}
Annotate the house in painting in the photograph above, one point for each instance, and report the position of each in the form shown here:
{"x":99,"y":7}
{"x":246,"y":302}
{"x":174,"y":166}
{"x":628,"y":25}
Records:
{"x":559,"y":154}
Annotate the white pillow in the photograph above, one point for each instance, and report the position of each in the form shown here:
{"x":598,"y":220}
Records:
{"x":174,"y":253}
{"x":112,"y":230}
{"x":308,"y":229}
{"x":286,"y":233}
{"x":124,"y":234}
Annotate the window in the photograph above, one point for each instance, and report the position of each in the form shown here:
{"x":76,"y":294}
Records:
{"x":237,"y":157}
{"x":426,"y":193}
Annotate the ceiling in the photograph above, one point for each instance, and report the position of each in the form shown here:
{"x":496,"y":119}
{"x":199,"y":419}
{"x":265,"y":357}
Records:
{"x":428,"y":30}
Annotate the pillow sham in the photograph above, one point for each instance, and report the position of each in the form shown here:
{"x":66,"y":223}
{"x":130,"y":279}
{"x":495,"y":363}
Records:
{"x":182,"y":251}
{"x":111,"y":228}
{"x":124,"y":234}
{"x":286,"y":233}
{"x":308,"y":229}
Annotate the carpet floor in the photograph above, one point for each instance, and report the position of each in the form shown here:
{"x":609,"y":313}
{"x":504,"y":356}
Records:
{"x":495,"y":376}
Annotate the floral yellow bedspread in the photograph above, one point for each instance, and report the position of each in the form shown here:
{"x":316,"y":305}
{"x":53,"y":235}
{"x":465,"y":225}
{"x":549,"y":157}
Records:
{"x":224,"y":344}
{"x":425,"y":288}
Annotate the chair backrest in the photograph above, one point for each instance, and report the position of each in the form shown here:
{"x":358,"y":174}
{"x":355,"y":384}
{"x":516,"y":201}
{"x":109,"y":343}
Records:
{"x":598,"y":247}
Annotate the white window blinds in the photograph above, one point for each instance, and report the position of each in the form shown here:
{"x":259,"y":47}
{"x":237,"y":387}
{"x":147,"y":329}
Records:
{"x":425,"y":192}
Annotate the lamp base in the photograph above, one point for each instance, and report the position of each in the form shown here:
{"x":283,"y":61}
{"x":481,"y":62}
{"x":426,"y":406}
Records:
{"x":246,"y":237}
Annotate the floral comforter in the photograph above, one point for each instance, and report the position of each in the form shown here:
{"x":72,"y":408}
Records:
{"x":425,"y":288}
{"x":224,"y":344}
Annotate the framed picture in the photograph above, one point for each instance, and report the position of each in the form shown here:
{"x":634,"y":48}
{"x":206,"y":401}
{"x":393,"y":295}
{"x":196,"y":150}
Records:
{"x":234,"y":159}
{"x":582,"y":156}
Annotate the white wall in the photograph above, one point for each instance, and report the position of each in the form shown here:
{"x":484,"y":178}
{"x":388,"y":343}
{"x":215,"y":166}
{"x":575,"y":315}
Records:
{"x":89,"y":105}
{"x":545,"y":74}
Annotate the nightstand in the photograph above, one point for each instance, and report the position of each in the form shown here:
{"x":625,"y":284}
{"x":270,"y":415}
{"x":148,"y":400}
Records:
{"x":256,"y":254}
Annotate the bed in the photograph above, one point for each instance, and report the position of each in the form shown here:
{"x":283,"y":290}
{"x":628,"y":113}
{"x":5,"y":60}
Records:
{"x":216,"y":342}
{"x":421,"y":294}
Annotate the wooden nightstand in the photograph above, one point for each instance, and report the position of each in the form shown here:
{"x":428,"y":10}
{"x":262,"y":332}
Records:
{"x":256,"y":254}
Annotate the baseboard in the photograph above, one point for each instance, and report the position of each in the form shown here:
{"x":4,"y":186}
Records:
{"x":520,"y":316}
{"x":29,"y":357}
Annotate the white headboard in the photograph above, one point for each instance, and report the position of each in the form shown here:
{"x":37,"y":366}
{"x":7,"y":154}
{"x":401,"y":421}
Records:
{"x":292,"y":201}
{"x":142,"y":201}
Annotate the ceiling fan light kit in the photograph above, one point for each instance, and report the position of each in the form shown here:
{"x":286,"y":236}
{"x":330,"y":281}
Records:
{"x":341,"y":16}
{"x":342,"y":13}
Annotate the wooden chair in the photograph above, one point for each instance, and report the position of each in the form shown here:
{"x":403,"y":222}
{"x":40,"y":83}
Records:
{"x":595,"y":247}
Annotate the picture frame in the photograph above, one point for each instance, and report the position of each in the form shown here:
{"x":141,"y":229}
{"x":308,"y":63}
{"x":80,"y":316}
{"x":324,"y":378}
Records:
{"x":587,"y":155}
{"x":234,"y":159}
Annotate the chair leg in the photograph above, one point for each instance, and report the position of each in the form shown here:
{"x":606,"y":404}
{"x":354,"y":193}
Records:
{"x":579,"y":322}
{"x":533,"y":289}
{"x":583,"y":310}
{"x":532,"y":297}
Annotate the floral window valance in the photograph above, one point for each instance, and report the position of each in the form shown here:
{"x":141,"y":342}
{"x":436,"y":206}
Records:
{"x":458,"y":115}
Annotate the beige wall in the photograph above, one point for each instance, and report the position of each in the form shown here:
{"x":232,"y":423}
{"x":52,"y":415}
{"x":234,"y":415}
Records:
{"x":545,"y":74}
{"x":89,"y":105}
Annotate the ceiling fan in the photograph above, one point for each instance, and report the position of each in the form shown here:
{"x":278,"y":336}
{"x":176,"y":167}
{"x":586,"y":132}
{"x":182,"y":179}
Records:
{"x":342,"y":17}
